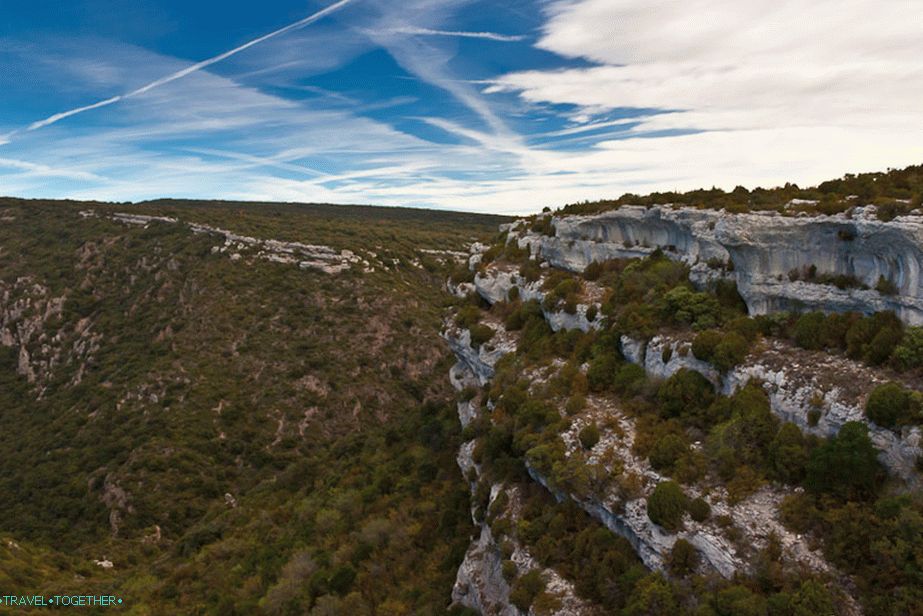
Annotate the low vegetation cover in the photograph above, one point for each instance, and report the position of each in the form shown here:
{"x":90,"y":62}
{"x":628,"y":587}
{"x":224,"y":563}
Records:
{"x":895,"y":192}
{"x":235,"y":436}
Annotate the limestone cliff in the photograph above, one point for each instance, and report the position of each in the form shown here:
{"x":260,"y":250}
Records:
{"x":764,"y":254}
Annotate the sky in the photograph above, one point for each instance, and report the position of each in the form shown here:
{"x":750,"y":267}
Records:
{"x":500,"y":107}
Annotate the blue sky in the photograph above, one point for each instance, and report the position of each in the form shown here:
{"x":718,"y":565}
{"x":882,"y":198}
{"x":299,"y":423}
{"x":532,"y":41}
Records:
{"x":502,"y":107}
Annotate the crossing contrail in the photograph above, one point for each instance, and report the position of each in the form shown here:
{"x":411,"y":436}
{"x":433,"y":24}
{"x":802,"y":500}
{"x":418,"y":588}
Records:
{"x":186,"y":71}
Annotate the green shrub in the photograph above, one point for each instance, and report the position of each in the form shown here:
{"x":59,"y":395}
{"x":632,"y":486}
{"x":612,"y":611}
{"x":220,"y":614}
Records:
{"x":682,"y":559}
{"x":666,"y":505}
{"x":468,"y":315}
{"x":509,"y":570}
{"x":699,"y":509}
{"x":788,"y":454}
{"x":698,"y":309}
{"x":629,"y":380}
{"x":591,"y":313}
{"x":589,"y":436}
{"x":575,"y":404}
{"x":732,"y":350}
{"x":601,"y":371}
{"x":526,"y":588}
{"x":686,"y":393}
{"x":889,"y":405}
{"x":745,"y":439}
{"x":705,"y":343}
{"x":480,"y":334}
{"x":908,"y":354}
{"x":886,"y":286}
{"x":667,"y":451}
{"x":809,"y":331}
{"x":846,"y":466}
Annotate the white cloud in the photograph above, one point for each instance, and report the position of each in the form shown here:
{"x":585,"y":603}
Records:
{"x":817,"y":88}
{"x":773,"y":92}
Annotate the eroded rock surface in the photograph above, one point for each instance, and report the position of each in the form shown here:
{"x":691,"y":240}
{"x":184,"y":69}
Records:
{"x":757,"y":251}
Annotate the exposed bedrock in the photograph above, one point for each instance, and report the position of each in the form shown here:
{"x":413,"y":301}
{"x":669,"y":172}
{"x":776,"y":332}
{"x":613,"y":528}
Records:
{"x":759,"y":251}
{"x":494,"y":285}
{"x":817,"y":393}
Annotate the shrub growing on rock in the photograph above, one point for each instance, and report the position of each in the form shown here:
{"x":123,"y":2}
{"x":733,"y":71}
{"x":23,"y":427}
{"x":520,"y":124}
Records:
{"x":666,"y":505}
{"x":699,"y":509}
{"x":601,"y":372}
{"x":890,"y":405}
{"x":732,"y":350}
{"x":589,"y":436}
{"x":667,"y":451}
{"x":809,"y":331}
{"x":480,"y":334}
{"x":682,"y":559}
{"x":704,"y":344}
{"x":526,"y":588}
{"x":685,"y":393}
{"x":629,"y":380}
{"x":909,"y":352}
{"x":846,"y":465}
{"x":788,"y":454}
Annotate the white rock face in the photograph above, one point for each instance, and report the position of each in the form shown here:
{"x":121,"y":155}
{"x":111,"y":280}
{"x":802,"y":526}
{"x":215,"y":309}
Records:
{"x":494,"y":285}
{"x":762,"y":249}
{"x":794,"y":389}
{"x":480,"y":361}
{"x":479,"y":583}
{"x":305,"y":256}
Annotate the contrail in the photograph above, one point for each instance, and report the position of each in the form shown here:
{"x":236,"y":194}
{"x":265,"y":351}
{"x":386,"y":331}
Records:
{"x":188,"y":70}
{"x":491,"y":36}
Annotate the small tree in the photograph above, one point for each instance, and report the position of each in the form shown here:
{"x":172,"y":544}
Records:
{"x":667,"y":451}
{"x":686,"y":392}
{"x":526,"y":588}
{"x":888,"y":405}
{"x":909,"y":353}
{"x":666,"y":505}
{"x":589,"y":436}
{"x":846,"y":465}
{"x":682,"y":559}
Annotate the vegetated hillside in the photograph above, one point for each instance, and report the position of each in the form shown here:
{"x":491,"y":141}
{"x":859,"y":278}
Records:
{"x":240,"y":407}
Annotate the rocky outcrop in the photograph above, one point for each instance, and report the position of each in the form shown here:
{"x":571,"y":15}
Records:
{"x":481,"y":360}
{"x":305,"y":256}
{"x":479,"y":583}
{"x":817,"y":392}
{"x":755,"y":518}
{"x":494,"y":285}
{"x":32,"y":324}
{"x":758,"y":251}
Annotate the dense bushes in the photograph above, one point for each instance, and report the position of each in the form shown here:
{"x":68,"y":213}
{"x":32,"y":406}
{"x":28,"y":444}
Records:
{"x":526,"y":588}
{"x":873,"y":339}
{"x":909,"y":352}
{"x":723,"y":350}
{"x":846,"y":466}
{"x":685,"y":393}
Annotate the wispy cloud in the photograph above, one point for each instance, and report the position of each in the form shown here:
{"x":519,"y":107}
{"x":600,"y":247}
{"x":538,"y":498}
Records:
{"x":37,"y":170}
{"x":489,"y":36}
{"x":198,"y":66}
